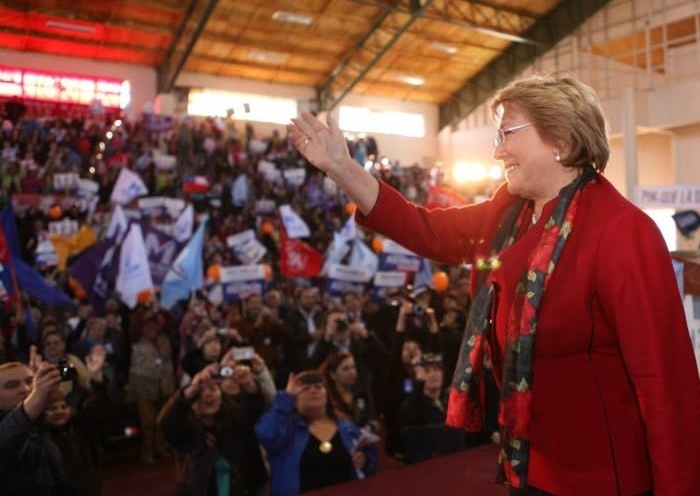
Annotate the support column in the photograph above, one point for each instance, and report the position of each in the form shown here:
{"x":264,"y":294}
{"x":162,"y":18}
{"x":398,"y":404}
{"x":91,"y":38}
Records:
{"x":629,"y":136}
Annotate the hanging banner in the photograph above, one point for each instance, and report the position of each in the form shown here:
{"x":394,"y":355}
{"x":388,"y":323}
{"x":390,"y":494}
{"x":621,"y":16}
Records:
{"x":675,"y":196}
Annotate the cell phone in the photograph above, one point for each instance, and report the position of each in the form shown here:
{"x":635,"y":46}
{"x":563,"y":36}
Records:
{"x":243,"y":354}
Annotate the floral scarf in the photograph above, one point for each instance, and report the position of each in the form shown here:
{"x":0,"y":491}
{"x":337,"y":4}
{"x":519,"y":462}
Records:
{"x":466,"y":408}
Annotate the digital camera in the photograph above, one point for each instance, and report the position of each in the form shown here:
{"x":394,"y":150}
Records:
{"x":225,"y":371}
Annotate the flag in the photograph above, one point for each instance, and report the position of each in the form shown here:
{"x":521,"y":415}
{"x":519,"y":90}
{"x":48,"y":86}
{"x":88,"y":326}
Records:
{"x":363,"y":257}
{"x":118,"y":225}
{"x":16,"y":273}
{"x":161,"y":250}
{"x":186,"y":273}
{"x":294,"y":225}
{"x":86,"y":267}
{"x":239,"y":191}
{"x":424,"y":277}
{"x":439,"y":196}
{"x":298,"y":259}
{"x":134,"y":275}
{"x":69,"y":246}
{"x":182,"y":228}
{"x":129,"y":185}
{"x":335,"y":252}
{"x":349,"y":231}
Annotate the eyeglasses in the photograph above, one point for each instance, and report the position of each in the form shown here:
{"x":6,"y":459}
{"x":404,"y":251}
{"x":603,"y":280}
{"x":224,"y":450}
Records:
{"x":502,"y":133}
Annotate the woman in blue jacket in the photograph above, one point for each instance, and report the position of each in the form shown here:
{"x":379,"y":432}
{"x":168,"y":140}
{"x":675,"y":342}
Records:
{"x":308,"y":447}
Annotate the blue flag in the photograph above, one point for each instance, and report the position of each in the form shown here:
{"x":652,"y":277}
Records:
{"x":28,"y":279}
{"x":186,"y":273}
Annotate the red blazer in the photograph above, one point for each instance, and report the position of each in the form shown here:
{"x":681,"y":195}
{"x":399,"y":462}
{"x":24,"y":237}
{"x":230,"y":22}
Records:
{"x":616,"y":394}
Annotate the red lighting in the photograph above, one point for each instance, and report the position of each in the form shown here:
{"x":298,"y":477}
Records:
{"x":62,"y":88}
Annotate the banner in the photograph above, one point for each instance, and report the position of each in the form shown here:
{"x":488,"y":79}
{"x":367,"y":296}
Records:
{"x":65,"y":181}
{"x":237,"y":282}
{"x":680,"y":197}
{"x":246,"y":247}
{"x":342,"y":279}
{"x":383,"y":280}
{"x":295,"y":177}
{"x":154,"y":123}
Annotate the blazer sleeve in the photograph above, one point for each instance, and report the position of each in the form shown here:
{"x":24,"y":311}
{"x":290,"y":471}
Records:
{"x":640,"y":298}
{"x":447,"y":235}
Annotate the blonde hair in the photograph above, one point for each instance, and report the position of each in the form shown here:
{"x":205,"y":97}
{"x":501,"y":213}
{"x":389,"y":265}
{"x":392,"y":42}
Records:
{"x":562,"y":109}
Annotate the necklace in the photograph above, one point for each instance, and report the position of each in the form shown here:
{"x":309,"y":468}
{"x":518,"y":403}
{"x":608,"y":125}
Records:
{"x":325,"y":447}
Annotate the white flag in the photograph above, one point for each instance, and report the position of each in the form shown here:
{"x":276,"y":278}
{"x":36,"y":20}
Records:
{"x":134,"y":274}
{"x":239,"y":191}
{"x":363,"y":257}
{"x":294,"y":226}
{"x":118,"y":225}
{"x":182,"y":229}
{"x":129,"y":185}
{"x":349,"y":231}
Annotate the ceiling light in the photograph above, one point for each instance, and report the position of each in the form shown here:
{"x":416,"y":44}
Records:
{"x":273,"y":58}
{"x":412,"y":80}
{"x":68,"y":26}
{"x":442,"y":47}
{"x":293,"y":17}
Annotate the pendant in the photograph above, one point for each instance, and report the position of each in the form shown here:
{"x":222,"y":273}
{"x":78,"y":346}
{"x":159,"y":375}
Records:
{"x":325,"y":447}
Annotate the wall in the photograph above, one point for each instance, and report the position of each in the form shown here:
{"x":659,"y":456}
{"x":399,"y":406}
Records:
{"x":407,"y":150}
{"x":142,"y":79}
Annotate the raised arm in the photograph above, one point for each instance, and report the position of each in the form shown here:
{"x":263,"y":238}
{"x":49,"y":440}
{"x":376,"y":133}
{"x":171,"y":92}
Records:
{"x":325,"y":147}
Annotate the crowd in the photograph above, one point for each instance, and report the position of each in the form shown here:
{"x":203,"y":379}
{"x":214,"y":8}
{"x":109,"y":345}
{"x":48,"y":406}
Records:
{"x":289,"y":389}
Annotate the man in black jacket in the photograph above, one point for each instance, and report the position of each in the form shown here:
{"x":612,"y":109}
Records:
{"x":30,"y":463}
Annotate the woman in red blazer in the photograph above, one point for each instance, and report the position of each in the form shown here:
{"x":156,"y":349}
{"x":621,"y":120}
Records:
{"x":575,"y":302}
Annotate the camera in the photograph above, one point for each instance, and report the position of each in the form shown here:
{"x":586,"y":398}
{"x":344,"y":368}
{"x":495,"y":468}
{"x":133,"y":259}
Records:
{"x":225,"y":371}
{"x":66,"y":370}
{"x":243,"y":354}
{"x":418,"y":309}
{"x":341,"y":325}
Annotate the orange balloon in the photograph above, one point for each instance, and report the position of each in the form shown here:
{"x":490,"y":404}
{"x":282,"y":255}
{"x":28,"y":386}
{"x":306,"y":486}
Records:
{"x":267,"y":270}
{"x":214,"y":272}
{"x":267,"y":228}
{"x":377,"y":245}
{"x":55,"y":212}
{"x":144,"y":296}
{"x":440,"y":281}
{"x":350,"y":208}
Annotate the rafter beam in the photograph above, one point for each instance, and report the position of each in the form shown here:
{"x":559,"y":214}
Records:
{"x":548,"y":31}
{"x":193,"y":22}
{"x":494,"y":29}
{"x":329,"y":96}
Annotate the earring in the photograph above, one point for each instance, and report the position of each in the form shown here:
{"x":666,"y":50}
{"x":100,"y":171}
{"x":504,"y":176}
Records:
{"x":557,"y":156}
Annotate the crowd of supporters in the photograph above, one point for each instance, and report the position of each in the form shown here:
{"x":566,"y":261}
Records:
{"x":319,"y":381}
